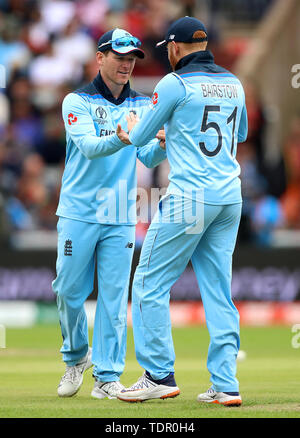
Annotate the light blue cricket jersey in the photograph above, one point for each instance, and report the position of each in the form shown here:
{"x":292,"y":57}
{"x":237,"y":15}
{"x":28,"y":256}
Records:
{"x":202,"y":107}
{"x":99,"y":180}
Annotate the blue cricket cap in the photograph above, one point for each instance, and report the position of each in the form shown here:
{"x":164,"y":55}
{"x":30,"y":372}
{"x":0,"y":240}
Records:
{"x":120,"y":42}
{"x":183,"y":30}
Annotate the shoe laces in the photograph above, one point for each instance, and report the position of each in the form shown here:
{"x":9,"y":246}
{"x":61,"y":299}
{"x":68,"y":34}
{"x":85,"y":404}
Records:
{"x":211,"y":391}
{"x":71,"y":374}
{"x":142,"y":382}
{"x":112,"y":387}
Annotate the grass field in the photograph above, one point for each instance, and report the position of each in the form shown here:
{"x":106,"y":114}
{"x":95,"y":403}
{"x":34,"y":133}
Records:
{"x":31,"y":366}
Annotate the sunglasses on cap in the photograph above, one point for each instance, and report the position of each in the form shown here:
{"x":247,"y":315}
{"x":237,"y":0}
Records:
{"x":123,"y":42}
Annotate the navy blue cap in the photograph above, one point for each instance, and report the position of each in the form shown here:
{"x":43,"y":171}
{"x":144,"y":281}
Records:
{"x":183,"y":30}
{"x":120,"y":42}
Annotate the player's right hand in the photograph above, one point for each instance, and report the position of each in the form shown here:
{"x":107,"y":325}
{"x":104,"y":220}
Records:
{"x":123,"y":136}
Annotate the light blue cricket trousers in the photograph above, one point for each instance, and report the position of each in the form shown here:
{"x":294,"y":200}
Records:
{"x":165,"y":254}
{"x":111,"y":247}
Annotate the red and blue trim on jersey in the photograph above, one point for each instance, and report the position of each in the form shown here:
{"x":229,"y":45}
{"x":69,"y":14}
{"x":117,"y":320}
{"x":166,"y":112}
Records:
{"x":201,"y":64}
{"x":97,"y":89}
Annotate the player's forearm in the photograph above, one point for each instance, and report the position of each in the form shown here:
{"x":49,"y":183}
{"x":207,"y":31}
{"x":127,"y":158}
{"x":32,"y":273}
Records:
{"x":143,"y":133}
{"x":168,"y":96}
{"x":93,"y":146}
{"x":151,"y":155}
{"x":243,"y":128}
{"x":242,"y":137}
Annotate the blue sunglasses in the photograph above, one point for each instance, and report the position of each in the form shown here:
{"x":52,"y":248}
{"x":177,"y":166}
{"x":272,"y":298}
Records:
{"x":123,"y":41}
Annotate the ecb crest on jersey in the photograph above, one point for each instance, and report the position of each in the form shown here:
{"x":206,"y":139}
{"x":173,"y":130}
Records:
{"x":101,"y":115}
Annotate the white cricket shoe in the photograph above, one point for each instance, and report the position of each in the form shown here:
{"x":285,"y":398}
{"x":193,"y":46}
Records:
{"x":146,"y":388}
{"x":106,"y":389}
{"x":72,"y":380}
{"x":223,"y":398}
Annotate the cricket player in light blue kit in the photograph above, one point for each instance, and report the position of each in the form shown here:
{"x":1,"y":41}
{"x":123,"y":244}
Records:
{"x":202,"y":107}
{"x":96,"y":226}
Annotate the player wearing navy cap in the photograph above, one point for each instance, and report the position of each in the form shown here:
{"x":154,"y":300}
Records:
{"x":95,"y":228}
{"x":183,"y":31}
{"x":202,"y":108}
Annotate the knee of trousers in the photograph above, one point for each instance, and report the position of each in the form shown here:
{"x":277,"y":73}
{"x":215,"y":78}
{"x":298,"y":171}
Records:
{"x":64,"y":288}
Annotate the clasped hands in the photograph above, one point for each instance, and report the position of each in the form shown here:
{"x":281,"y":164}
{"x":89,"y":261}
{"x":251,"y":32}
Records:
{"x":132,"y":120}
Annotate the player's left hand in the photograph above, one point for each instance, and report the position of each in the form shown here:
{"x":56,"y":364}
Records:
{"x":161,"y":135}
{"x":123,"y":136}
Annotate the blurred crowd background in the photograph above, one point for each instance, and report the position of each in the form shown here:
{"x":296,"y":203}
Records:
{"x":48,"y":47}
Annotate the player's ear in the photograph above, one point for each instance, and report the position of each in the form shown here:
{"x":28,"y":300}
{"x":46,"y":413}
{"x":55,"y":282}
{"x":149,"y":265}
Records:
{"x":176,"y":47}
{"x":99,"y":58}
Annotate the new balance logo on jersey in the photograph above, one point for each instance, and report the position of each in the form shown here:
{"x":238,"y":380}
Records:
{"x":129,"y":245}
{"x":68,"y":248}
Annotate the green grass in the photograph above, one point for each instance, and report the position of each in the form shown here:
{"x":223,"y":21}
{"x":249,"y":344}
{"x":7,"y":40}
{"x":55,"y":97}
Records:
{"x":31,"y":366}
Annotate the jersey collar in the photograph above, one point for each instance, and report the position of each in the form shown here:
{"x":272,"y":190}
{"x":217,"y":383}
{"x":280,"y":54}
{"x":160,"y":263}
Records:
{"x":203,"y":56}
{"x":106,"y":93}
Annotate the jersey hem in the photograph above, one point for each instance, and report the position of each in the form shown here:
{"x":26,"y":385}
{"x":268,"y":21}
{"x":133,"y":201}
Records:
{"x":90,"y":221}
